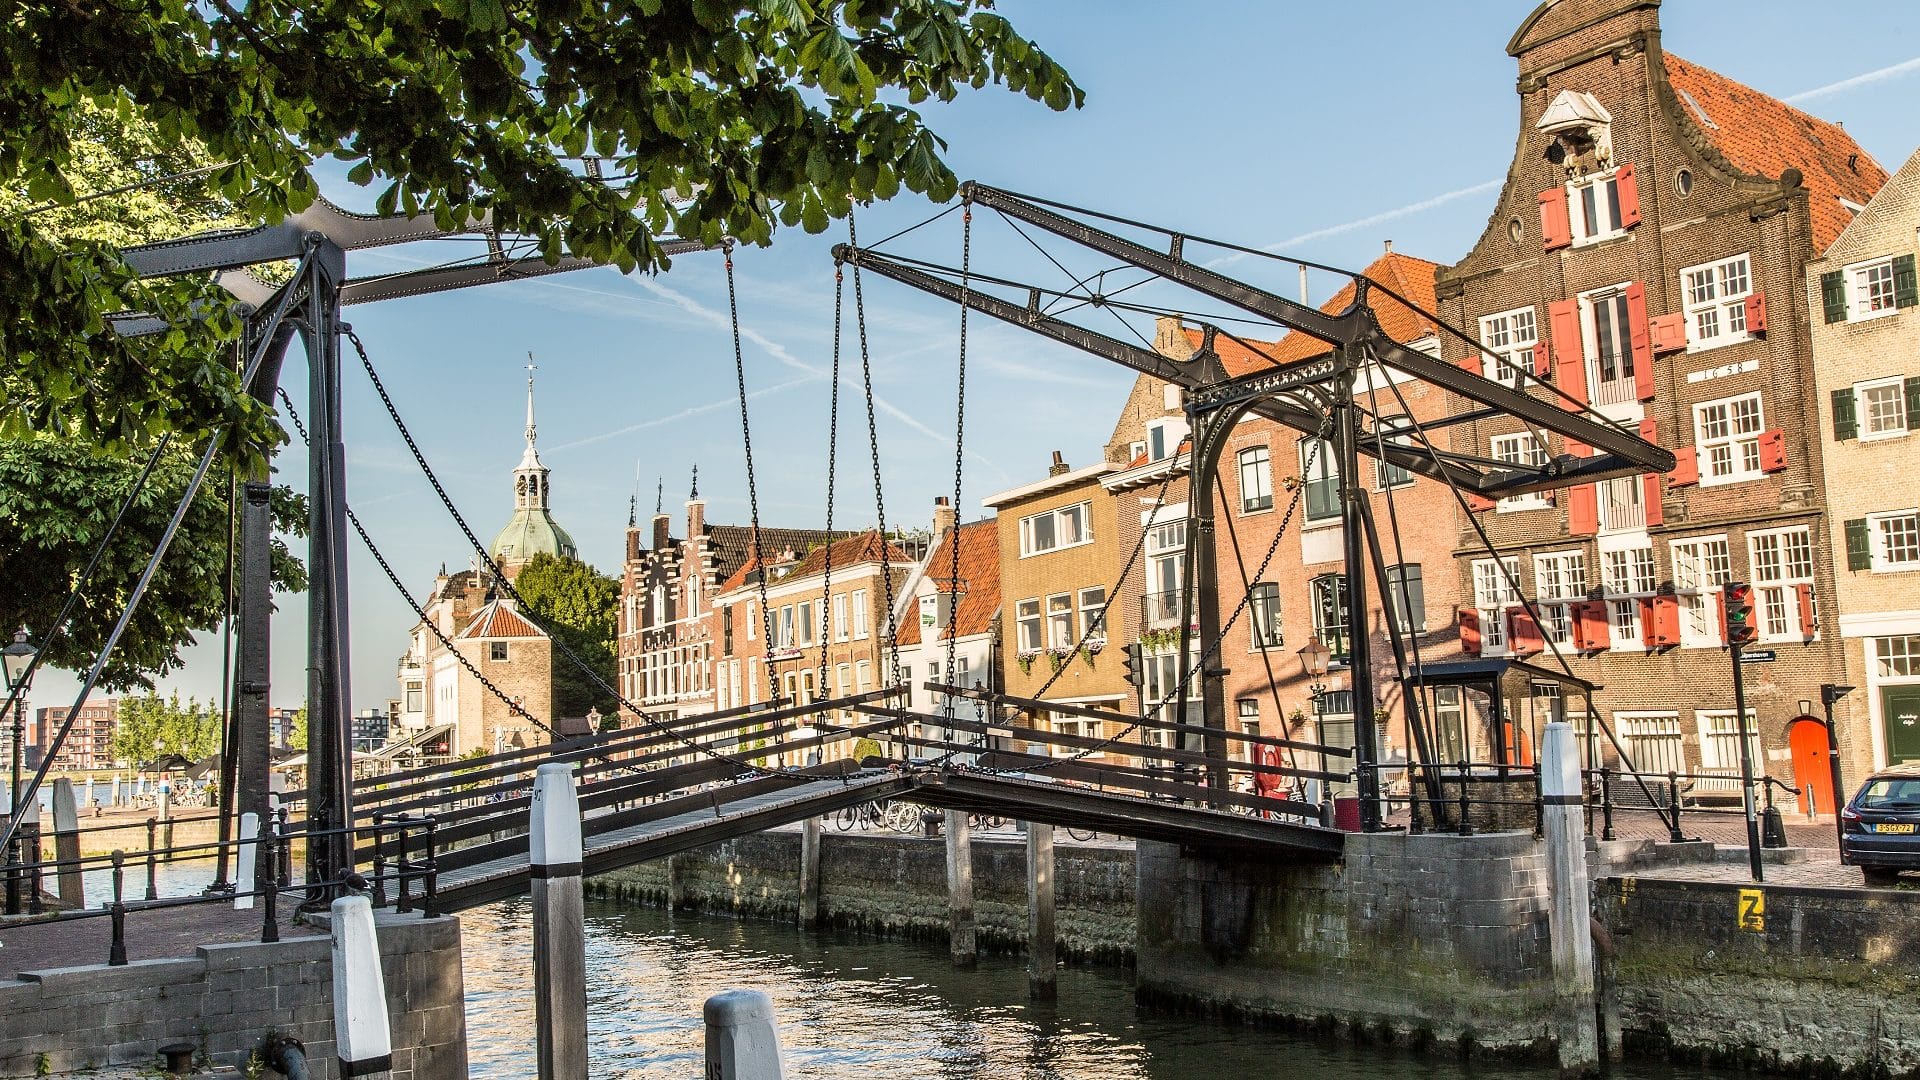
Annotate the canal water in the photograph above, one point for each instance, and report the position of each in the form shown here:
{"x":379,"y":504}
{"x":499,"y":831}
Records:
{"x":850,"y":1006}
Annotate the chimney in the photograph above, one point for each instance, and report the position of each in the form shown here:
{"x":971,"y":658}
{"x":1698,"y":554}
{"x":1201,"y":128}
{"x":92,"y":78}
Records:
{"x":1060,"y":466}
{"x":1389,"y":246}
{"x":945,"y":517}
{"x":696,"y":517}
{"x":660,"y":532}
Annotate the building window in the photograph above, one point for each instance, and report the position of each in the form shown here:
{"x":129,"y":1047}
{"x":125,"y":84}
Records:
{"x":1883,"y":408}
{"x":1896,"y":657}
{"x":1385,"y":474}
{"x":862,"y":676}
{"x":1715,"y":296}
{"x":1249,"y":710}
{"x":416,"y":698}
{"x":496,"y":650}
{"x":1050,"y":530}
{"x":1521,"y":450}
{"x":1560,"y":580}
{"x":1627,"y":575}
{"x":753,"y":622}
{"x":1322,"y":476}
{"x":1594,"y":205}
{"x":1085,"y":727}
{"x":1896,"y":540}
{"x":1263,"y":608}
{"x":1409,"y":593}
{"x":839,"y":618}
{"x":1166,"y":575}
{"x":1700,"y":568}
{"x":783,"y":628}
{"x":1092,"y":616}
{"x":1510,"y":337}
{"x":1621,"y":504}
{"x":1256,"y":480}
{"x":1060,"y":621}
{"x":1164,"y":437}
{"x":1720,"y":749}
{"x":803,"y":623}
{"x":1496,"y":586}
{"x":1652,"y":742}
{"x":1781,"y":560}
{"x":1872,"y":288}
{"x":1136,"y":449}
{"x":1027,"y":624}
{"x":1609,"y":344}
{"x":1162,"y":686}
{"x":1727,"y":438}
{"x":1328,"y":595}
{"x":860,"y":614}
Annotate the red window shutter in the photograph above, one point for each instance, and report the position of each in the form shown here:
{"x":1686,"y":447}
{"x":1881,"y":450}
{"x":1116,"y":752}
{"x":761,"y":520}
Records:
{"x":1569,"y":357}
{"x":1628,"y":186}
{"x":1579,"y":449}
{"x":1668,"y":332}
{"x":1803,"y":593}
{"x":1473,"y":362}
{"x":1650,"y":431}
{"x":1773,"y":450}
{"x":1650,"y":494}
{"x":1718,"y":627}
{"x":1661,"y":625}
{"x":1537,"y":358}
{"x":1686,"y":467}
{"x":1583,"y":510}
{"x":1470,"y":631}
{"x":1757,"y":312}
{"x":1478,"y":504}
{"x":1556,"y":229}
{"x":1592,"y":627}
{"x":1642,"y":343}
{"x":1524,"y":638}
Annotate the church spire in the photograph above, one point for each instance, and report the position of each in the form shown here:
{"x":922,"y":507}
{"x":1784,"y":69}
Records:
{"x":531,"y":431}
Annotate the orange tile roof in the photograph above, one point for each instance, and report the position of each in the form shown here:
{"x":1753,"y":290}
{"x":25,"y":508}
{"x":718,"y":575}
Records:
{"x":1404,"y":274}
{"x":1238,"y":358}
{"x":497,"y":620}
{"x":1765,"y":136}
{"x":979,"y":573}
{"x":862,"y":548}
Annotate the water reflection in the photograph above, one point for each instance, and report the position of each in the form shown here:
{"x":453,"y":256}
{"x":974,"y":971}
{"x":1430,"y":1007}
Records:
{"x":849,"y":1006}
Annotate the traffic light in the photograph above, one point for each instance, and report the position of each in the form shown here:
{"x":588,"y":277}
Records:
{"x":1130,"y":663}
{"x":1740,"y":617}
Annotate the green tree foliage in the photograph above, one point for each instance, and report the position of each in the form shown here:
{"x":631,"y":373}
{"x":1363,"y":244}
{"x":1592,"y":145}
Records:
{"x":297,"y":735}
{"x":579,"y":606}
{"x":57,"y":497}
{"x":749,"y":114}
{"x":150,"y":726}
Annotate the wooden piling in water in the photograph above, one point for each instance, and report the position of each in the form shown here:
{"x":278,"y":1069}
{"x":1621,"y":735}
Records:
{"x":1042,"y":946}
{"x":963,"y":936}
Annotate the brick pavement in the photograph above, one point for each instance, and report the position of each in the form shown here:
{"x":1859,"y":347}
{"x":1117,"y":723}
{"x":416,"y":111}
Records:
{"x":158,"y":934}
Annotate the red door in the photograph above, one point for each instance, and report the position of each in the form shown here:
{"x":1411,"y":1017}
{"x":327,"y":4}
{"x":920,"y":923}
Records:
{"x":1807,"y":740}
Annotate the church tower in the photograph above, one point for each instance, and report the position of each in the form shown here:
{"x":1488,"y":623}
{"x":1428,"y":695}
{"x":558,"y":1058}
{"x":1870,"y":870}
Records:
{"x":532,"y":529}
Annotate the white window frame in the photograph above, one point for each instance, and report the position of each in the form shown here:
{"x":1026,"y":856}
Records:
{"x":1164,"y":437}
{"x":1742,"y":444}
{"x":1864,"y":410}
{"x":1559,"y":582}
{"x":1715,"y":294}
{"x":1386,"y":475}
{"x":1057,"y":520}
{"x":1622,"y":388}
{"x":840,"y":617}
{"x":1720,"y":748}
{"x":1877,"y":529}
{"x":1248,"y":717}
{"x":1628,"y":575}
{"x":860,"y":614}
{"x":1264,"y":627}
{"x":1606,"y":188}
{"x":1505,"y":336}
{"x":1519,"y":448}
{"x":1412,"y":614}
{"x":1702,"y":566}
{"x":1030,"y":625}
{"x":1621,"y":504}
{"x":1659,"y":730}
{"x":1255,"y":474}
{"x":1325,"y":469}
{"x":1495,"y":590}
{"x":1779,"y":560}
{"x":1863,"y":281}
{"x":1092,"y":620}
{"x":1896,"y":657}
{"x":1059,"y":626}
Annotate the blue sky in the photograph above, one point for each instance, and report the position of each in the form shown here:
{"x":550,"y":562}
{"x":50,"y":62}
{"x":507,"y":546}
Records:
{"x":1318,"y":131}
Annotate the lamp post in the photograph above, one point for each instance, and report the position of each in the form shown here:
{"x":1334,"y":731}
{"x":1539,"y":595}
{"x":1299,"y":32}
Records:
{"x":1313,"y":660}
{"x":1829,"y":693}
{"x":18,"y":661}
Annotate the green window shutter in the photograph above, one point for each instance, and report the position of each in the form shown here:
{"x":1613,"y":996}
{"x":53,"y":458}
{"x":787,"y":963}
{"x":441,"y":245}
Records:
{"x":1913,"y":404}
{"x":1906,"y":292}
{"x":1833,"y":295}
{"x":1859,"y":551}
{"x":1846,"y":423}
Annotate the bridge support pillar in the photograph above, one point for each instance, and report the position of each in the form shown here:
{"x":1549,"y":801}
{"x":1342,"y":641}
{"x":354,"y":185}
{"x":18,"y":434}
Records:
{"x":1569,"y":911}
{"x":962,"y":933}
{"x":810,"y":873}
{"x":559,"y":926}
{"x":1042,"y":945}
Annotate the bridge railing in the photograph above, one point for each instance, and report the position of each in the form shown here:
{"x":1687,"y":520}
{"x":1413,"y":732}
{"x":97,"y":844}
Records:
{"x":1669,"y":795}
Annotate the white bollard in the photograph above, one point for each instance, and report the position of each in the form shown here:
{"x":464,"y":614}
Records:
{"x":66,"y":846}
{"x":249,"y":854}
{"x":363,"y":1041}
{"x":116,"y":789}
{"x":555,"y":852}
{"x":1569,"y":907}
{"x":741,"y":1041}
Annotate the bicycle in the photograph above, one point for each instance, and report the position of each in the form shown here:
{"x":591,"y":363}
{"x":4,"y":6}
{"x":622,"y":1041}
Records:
{"x":1083,"y":837}
{"x":986,"y":821}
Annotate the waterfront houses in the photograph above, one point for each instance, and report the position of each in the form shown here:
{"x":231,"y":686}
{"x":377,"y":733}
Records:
{"x":1866,"y":354}
{"x":1647,"y":254}
{"x":489,"y":639}
{"x":950,"y":623}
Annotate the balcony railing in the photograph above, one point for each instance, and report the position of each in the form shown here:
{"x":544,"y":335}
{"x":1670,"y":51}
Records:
{"x":1620,"y":505}
{"x":1611,"y":391}
{"x":1160,"y":610}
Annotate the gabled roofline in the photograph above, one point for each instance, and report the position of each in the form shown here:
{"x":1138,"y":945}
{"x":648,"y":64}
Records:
{"x":1051,"y":483}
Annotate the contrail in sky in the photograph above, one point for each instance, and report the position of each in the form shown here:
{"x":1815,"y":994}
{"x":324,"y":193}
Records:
{"x":1891,"y":71}
{"x":1365,"y":222}
{"x":688,"y":412}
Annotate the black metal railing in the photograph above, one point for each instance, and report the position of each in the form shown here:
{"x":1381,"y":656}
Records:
{"x":1467,"y":796}
{"x":1617,"y":791}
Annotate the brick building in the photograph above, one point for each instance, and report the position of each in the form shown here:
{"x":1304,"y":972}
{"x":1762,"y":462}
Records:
{"x":953,"y":617}
{"x":88,"y":745}
{"x":1652,"y":210}
{"x":1866,"y":355}
{"x":1059,"y":552}
{"x":457,"y":712}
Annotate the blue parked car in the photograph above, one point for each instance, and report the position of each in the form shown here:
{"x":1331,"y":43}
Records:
{"x":1881,"y":825}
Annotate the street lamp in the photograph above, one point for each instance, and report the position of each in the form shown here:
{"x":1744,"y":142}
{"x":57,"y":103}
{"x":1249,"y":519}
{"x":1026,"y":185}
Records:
{"x":17,"y":659}
{"x":1313,"y":660}
{"x":1829,"y":693}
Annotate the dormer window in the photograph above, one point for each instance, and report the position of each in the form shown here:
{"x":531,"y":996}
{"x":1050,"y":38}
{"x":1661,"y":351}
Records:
{"x":1164,"y":436}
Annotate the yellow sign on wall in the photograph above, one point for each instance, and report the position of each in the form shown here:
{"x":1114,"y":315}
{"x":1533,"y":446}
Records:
{"x":1753,"y":911}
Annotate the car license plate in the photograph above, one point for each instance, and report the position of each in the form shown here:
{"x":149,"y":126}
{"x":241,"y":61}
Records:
{"x":1891,"y":827}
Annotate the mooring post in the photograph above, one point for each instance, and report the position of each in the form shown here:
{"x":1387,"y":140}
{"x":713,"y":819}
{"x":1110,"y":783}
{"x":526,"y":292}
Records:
{"x":559,"y":926}
{"x":1569,"y":911}
{"x":741,"y":1041}
{"x":66,"y":845}
{"x":166,"y":819}
{"x":1040,"y":937}
{"x":962,"y":933}
{"x":248,"y":858}
{"x":362,"y":1039}
{"x":810,"y":873}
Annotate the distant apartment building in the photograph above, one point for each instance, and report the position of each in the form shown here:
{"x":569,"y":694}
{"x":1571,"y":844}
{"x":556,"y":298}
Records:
{"x":88,"y":744}
{"x":1647,"y":255}
{"x":1866,"y":357}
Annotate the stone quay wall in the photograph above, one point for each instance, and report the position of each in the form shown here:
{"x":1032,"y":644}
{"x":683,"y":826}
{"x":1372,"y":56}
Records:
{"x":1424,"y":940}
{"x":1811,"y":981}
{"x":897,"y":885}
{"x":226,"y":999}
